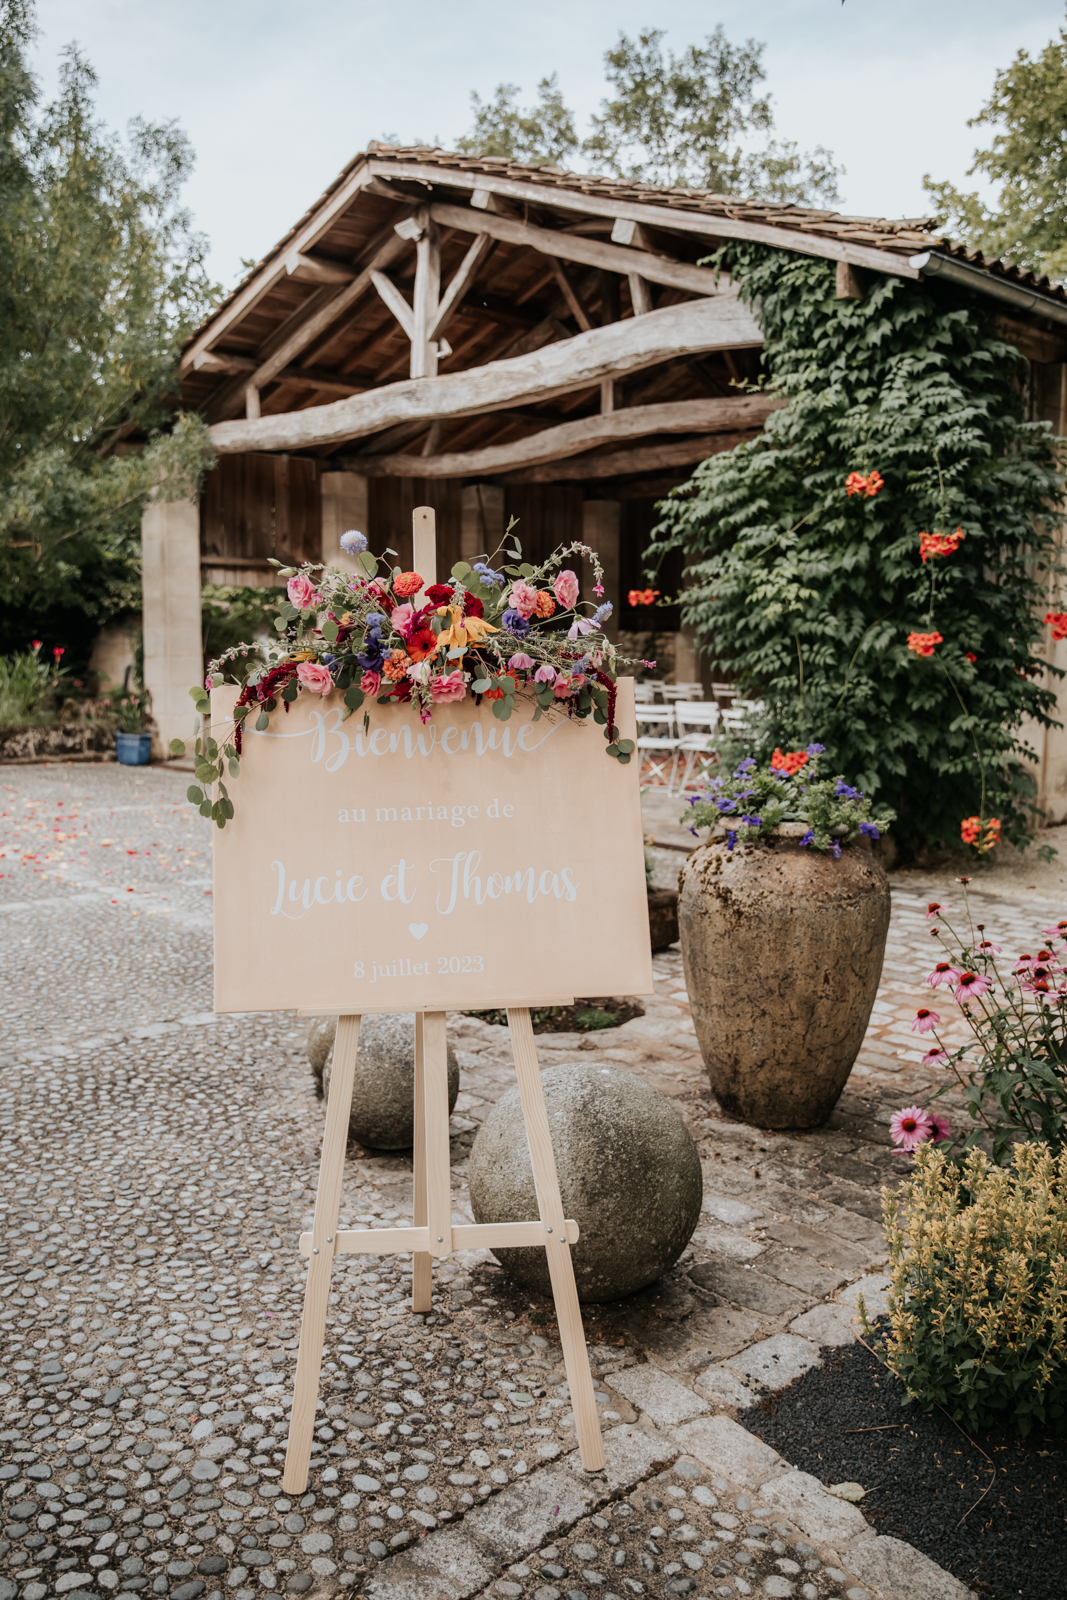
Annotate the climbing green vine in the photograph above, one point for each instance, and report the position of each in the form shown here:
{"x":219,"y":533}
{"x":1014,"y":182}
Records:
{"x":810,"y":585}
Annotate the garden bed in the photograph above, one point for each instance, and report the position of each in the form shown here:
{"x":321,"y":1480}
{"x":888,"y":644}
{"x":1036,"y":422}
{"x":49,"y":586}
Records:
{"x":30,"y":743}
{"x":1003,"y":1534}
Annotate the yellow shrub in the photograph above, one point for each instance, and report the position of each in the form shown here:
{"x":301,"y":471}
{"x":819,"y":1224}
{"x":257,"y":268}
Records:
{"x":978,"y":1296}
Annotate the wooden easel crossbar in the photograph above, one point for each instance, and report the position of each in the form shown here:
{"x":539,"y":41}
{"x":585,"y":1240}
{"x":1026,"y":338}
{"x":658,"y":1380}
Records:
{"x":434,"y":1235}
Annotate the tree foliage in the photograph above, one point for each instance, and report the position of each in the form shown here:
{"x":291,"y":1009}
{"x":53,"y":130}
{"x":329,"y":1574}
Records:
{"x":1027,"y":158}
{"x":544,"y":133}
{"x":101,"y":277}
{"x":678,"y":121}
{"x":807,"y":595}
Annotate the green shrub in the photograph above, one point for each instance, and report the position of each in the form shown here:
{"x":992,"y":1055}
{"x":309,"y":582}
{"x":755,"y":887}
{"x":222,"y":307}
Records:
{"x":978,"y":1297}
{"x":27,"y":689}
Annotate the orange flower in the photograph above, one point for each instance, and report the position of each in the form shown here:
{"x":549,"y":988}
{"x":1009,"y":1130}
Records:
{"x":856,"y":483}
{"x":789,"y":763}
{"x":395,"y":668}
{"x":545,"y":603}
{"x":1057,"y":621}
{"x":983,"y":835}
{"x":923,"y":643}
{"x":932,"y":545}
{"x":642,"y":597}
{"x":498,"y":694}
{"x":407,"y":584}
{"x":971,"y":657}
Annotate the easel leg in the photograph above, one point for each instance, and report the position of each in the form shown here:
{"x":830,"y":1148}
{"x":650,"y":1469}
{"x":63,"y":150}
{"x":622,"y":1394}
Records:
{"x":560,"y":1265}
{"x":438,"y":1177}
{"x":320,"y":1264}
{"x":422,"y":1264}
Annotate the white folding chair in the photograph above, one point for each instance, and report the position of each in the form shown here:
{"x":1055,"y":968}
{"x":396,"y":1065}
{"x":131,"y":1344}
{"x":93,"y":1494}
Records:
{"x":644,"y":692}
{"x":702,"y":717}
{"x":673,"y":692}
{"x":658,"y":747}
{"x":724,"y":692}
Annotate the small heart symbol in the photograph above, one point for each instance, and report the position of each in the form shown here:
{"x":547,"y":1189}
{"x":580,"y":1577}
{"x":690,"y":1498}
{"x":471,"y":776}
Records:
{"x":417,"y":928}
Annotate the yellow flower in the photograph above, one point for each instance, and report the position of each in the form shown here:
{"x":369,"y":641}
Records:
{"x":473,"y":631}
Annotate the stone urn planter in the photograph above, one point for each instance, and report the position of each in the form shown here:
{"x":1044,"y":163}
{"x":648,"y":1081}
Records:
{"x":783,"y":951}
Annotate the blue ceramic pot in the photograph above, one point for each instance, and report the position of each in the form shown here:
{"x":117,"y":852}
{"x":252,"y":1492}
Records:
{"x":133,"y":749}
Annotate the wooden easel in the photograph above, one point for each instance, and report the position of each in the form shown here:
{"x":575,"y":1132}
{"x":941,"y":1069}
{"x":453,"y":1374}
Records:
{"x":433,"y":1233}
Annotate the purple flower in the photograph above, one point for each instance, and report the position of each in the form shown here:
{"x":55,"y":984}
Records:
{"x":843,"y":792}
{"x":809,"y":838}
{"x":488,"y":576}
{"x":726,"y":804}
{"x":835,"y":849}
{"x":731,"y":838}
{"x":353,"y":543}
{"x":516,"y":625}
{"x":816,"y":749}
{"x":744,"y":766}
{"x":602,"y":613}
{"x":752,"y":822}
{"x":651,"y":665}
{"x":870,"y":830}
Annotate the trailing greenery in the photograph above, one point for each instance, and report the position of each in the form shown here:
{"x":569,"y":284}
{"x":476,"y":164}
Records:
{"x":101,"y":278}
{"x":807,"y":594}
{"x":230,"y":614}
{"x":1027,"y":159}
{"x":978,"y":1287}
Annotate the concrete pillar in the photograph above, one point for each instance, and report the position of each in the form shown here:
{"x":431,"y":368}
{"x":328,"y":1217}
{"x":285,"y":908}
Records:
{"x":170,"y":579}
{"x":687,"y":666}
{"x":481,"y":519}
{"x":600,"y":530}
{"x":345,"y":501}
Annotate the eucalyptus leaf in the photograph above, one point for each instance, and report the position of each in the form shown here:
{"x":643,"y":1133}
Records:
{"x":262,"y":722}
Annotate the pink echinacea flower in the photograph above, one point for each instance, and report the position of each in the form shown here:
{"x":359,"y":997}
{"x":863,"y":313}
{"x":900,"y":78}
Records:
{"x":940,"y":1127}
{"x":944,"y":972}
{"x":910,"y":1127}
{"x":925,"y":1021}
{"x":934,"y":1058}
{"x":971,"y":983}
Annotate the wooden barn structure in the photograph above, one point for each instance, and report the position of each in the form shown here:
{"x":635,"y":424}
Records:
{"x":497,"y":340}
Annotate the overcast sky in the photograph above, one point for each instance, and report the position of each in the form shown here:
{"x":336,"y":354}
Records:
{"x":278,"y":96}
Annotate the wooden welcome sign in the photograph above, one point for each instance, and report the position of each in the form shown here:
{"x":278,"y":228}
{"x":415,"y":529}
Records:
{"x":405,"y":867}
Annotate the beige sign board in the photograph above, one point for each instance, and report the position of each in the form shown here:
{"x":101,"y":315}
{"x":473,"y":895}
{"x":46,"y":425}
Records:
{"x":460,"y":863}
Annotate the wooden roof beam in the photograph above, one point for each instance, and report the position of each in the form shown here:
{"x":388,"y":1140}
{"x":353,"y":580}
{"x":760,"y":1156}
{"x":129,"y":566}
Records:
{"x":716,"y":323}
{"x":317,"y":269}
{"x":622,"y":463}
{"x":671,"y":218}
{"x":587,"y":252}
{"x":263,"y":280}
{"x":571,"y":438}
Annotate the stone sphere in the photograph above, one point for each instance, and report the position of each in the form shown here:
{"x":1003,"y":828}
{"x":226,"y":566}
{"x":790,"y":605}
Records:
{"x":629,"y":1175}
{"x":383,"y":1094}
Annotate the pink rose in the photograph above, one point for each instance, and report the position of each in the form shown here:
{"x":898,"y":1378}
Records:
{"x":314,"y":676}
{"x":401,"y":619}
{"x":520,"y":661}
{"x":566,"y":587}
{"x":565,"y":687}
{"x":370,"y":682}
{"x":301,"y":592}
{"x":523,"y":599}
{"x":448,"y":687}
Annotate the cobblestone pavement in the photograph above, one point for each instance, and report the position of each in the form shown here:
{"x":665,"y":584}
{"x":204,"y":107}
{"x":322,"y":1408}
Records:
{"x":159,"y":1164}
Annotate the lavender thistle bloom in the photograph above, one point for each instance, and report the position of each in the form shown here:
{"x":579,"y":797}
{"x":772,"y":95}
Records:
{"x":602,"y":613}
{"x":353,"y":543}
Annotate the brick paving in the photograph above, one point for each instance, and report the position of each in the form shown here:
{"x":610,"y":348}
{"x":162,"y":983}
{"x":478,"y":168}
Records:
{"x":159,"y":1163}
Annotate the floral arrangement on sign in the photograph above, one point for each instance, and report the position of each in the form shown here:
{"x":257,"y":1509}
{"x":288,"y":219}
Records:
{"x":752,"y":802}
{"x":1016,"y":1088}
{"x":381,"y":635}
